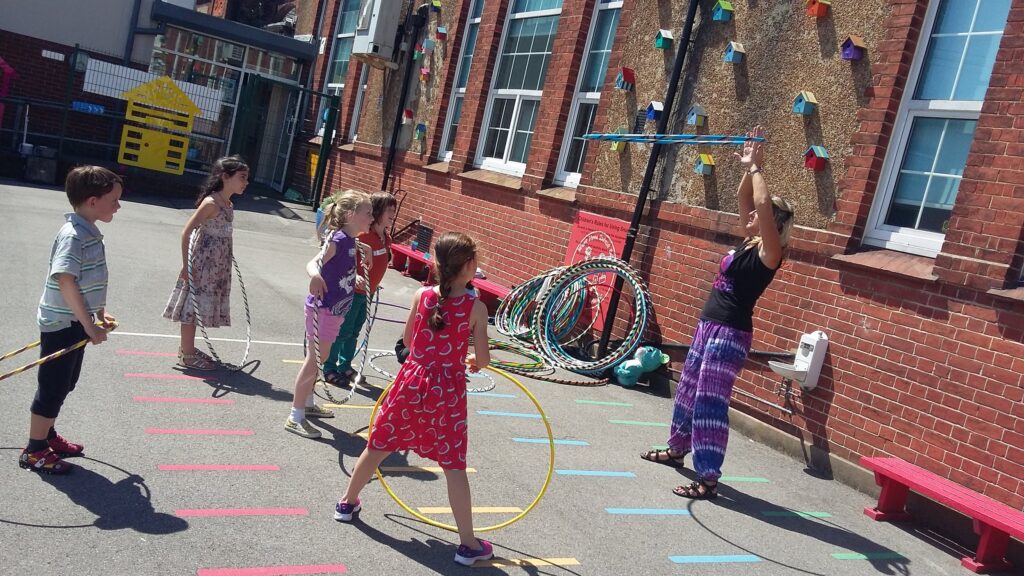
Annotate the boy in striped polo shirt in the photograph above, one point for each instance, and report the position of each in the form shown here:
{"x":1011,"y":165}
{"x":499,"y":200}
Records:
{"x":74,"y":298}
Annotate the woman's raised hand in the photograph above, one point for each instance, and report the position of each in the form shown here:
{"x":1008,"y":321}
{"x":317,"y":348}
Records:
{"x":752,"y":150}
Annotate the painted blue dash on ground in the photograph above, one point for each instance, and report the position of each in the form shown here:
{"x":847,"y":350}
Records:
{"x":596,"y":473}
{"x":714,"y":559}
{"x":512,"y":414}
{"x":545,"y":441}
{"x":491,"y":394}
{"x":649,"y":511}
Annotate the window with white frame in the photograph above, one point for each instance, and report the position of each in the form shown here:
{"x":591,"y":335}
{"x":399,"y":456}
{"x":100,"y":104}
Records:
{"x":935,"y":125}
{"x":341,"y":54}
{"x":461,"y":79}
{"x":514,"y":98}
{"x":357,"y":111}
{"x":588,"y":92}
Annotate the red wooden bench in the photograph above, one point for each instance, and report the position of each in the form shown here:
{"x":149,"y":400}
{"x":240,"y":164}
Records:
{"x":994,"y":521}
{"x":490,"y":293}
{"x":408,"y":261}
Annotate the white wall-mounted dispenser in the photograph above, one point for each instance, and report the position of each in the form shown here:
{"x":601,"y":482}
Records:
{"x":807,"y":365}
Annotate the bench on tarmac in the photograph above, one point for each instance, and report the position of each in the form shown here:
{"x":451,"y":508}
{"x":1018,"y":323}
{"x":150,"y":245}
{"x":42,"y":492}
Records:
{"x":412,"y":262}
{"x":994,"y":522}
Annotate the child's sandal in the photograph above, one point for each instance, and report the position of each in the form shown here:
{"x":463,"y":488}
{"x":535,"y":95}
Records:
{"x":699,"y":490}
{"x":196,"y":361}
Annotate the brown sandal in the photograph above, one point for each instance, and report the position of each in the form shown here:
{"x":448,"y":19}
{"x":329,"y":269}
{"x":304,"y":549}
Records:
{"x":699,"y":490}
{"x":196,"y":361}
{"x":664,"y":456}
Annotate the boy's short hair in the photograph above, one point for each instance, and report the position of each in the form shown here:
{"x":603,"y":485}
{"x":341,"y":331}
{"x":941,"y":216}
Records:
{"x":86,"y":182}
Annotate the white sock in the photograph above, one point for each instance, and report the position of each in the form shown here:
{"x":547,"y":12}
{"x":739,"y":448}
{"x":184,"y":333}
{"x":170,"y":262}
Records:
{"x":298,"y":415}
{"x":309,"y":401}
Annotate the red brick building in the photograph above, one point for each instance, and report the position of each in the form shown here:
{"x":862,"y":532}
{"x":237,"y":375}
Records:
{"x":909,"y":246}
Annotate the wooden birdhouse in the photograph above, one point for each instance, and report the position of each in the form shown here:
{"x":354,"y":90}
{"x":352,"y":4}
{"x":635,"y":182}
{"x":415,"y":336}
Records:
{"x":654,"y":110}
{"x":816,"y":158}
{"x":421,"y":131}
{"x":853,"y":48}
{"x":435,"y":5}
{"x":722,"y":12}
{"x":664,"y":39}
{"x":696,"y":115}
{"x":705,"y":165}
{"x":804,"y":103}
{"x":818,"y":8}
{"x":626,"y":79}
{"x":619,"y":145}
{"x":428,"y":45}
{"x":424,"y":74}
{"x":734,"y":53}
{"x":407,"y":116}
{"x":441,"y":34}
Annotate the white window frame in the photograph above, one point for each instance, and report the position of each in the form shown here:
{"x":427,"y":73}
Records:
{"x":460,"y":93}
{"x":562,"y":177}
{"x":357,"y":109}
{"x":503,"y":164}
{"x":338,"y":35}
{"x":909,"y":240}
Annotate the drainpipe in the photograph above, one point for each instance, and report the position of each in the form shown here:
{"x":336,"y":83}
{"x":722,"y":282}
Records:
{"x":652,"y":163}
{"x":129,"y":44}
{"x":419,"y":20}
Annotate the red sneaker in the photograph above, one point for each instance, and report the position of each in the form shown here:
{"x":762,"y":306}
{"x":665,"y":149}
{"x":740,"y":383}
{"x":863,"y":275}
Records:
{"x":63,"y":448}
{"x":44,"y":461}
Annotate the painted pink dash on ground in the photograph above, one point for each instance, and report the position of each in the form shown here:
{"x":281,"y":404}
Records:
{"x":165,"y":376}
{"x":146,"y":353}
{"x":183,"y":400}
{"x":199,"y":431}
{"x":219,"y":467}
{"x":242,"y":512}
{"x":274,"y":570}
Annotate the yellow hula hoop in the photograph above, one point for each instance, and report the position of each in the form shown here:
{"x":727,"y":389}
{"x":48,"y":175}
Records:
{"x":518,"y":517}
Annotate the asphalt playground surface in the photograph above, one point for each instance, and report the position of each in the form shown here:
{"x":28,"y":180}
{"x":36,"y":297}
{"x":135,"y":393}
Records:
{"x":145,"y":500}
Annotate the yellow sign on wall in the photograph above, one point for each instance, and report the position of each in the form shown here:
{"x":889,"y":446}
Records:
{"x":157,"y":121}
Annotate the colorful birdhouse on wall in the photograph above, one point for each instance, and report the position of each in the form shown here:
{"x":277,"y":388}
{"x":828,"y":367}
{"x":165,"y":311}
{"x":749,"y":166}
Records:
{"x":435,"y":5}
{"x":818,"y":8}
{"x":654,"y":110}
{"x":816,"y":158}
{"x":417,"y":52}
{"x":853,"y":48}
{"x":428,"y":45}
{"x":626,"y":79}
{"x":407,"y":116}
{"x":424,"y":74}
{"x":804,"y":103}
{"x":441,"y":34}
{"x":664,"y":39}
{"x":696,"y":116}
{"x":722,"y":12}
{"x":734,"y":53}
{"x":705,"y":165}
{"x":619,"y":145}
{"x":421,"y":131}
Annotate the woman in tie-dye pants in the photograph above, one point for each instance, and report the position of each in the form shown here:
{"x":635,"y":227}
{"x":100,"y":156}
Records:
{"x":700,"y":418}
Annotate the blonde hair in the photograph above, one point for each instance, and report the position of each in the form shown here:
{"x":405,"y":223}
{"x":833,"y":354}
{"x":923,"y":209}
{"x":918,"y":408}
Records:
{"x":784,"y":216}
{"x":451,"y":252}
{"x":339,"y":206}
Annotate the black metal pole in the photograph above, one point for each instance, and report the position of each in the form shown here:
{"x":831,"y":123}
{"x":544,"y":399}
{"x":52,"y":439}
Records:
{"x":652,"y":163}
{"x":325,"y":148}
{"x":419,"y":20}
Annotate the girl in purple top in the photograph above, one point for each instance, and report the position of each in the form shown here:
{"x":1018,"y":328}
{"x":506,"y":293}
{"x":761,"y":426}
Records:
{"x":331,"y":286}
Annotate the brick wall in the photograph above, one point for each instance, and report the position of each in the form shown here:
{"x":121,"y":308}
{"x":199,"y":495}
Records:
{"x":926,"y":354}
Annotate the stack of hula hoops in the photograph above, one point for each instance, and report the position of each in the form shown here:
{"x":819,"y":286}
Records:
{"x":554,"y":319}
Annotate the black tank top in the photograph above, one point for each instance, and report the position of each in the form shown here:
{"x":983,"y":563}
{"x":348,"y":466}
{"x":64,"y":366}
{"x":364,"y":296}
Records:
{"x":742,"y":278}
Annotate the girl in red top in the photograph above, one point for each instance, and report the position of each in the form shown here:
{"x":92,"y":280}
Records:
{"x":425,"y":409}
{"x":338,"y":365}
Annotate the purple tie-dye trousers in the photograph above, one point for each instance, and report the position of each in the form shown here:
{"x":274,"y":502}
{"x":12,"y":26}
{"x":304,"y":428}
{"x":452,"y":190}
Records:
{"x":700,"y":418}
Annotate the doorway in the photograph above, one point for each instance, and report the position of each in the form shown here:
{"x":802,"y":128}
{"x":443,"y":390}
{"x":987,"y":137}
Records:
{"x":264,"y":126}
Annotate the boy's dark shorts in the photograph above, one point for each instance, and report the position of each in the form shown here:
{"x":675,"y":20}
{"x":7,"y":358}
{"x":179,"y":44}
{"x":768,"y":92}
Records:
{"x":57,"y":378}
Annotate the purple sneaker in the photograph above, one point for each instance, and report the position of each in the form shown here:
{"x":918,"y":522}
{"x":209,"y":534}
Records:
{"x":467,"y":556}
{"x":344,"y":511}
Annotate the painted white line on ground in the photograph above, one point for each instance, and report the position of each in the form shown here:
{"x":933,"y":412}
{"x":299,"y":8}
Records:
{"x":267,"y":342}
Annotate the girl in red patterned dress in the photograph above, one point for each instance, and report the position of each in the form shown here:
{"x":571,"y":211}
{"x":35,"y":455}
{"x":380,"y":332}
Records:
{"x":425,"y":409}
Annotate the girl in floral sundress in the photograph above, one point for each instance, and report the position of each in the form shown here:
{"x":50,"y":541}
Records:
{"x":211,"y":260}
{"x":425,"y":409}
